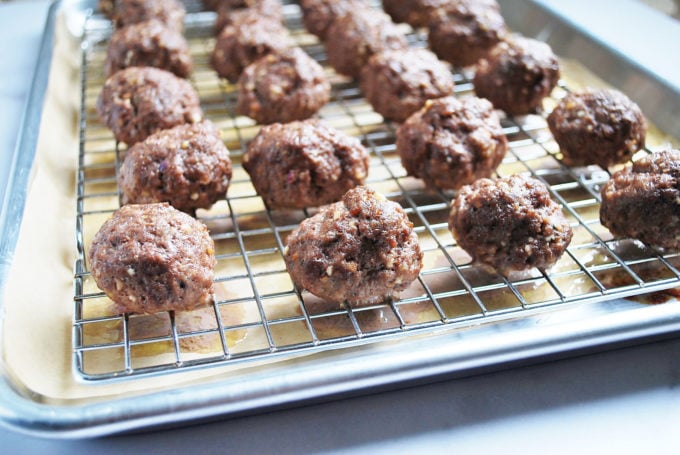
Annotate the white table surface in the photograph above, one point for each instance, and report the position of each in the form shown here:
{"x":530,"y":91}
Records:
{"x":622,"y":401}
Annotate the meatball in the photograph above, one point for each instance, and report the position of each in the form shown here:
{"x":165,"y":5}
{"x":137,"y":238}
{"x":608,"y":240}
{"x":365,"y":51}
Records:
{"x":397,"y":83}
{"x":517,"y":75}
{"x":304,"y":164}
{"x":597,"y":126}
{"x":151,"y":257}
{"x":149,"y":43}
{"x":170,"y":12}
{"x":229,"y":11}
{"x":509,"y":224}
{"x":464,"y":31}
{"x":138,"y":101}
{"x":248,"y":38}
{"x":187,"y":166}
{"x":354,"y":37}
{"x":361,"y":250}
{"x":318,"y":15}
{"x":642,"y":201}
{"x":414,"y":12}
{"x":283,"y":87}
{"x":452,"y":142}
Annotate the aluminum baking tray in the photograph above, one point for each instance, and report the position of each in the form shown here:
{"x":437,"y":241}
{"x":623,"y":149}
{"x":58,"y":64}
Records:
{"x":268,"y":344}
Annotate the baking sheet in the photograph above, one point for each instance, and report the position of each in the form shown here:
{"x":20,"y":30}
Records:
{"x":42,"y":368}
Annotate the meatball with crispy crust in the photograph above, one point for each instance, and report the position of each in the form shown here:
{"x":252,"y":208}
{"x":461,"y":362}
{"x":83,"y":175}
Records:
{"x":170,"y":12}
{"x":187,"y":166}
{"x":451,"y":142}
{"x":509,"y":224}
{"x":642,"y":201}
{"x":398,"y":83}
{"x":229,"y":11}
{"x":151,"y":257}
{"x":149,"y":43}
{"x":361,"y":250}
{"x":318,"y":15}
{"x":304,"y":164}
{"x":414,"y":12}
{"x":138,"y":101}
{"x":283,"y":87}
{"x":517,"y":74}
{"x":597,"y":126}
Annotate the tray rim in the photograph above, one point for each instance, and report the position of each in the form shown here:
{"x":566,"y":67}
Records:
{"x":318,"y":376}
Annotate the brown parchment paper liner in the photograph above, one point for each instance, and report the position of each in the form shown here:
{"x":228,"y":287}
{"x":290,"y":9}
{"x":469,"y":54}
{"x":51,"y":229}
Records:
{"x":39,"y":294}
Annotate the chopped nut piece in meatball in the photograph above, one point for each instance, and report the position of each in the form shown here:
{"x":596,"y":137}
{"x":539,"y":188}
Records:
{"x":452,"y":142}
{"x":149,"y":43}
{"x":517,"y":74}
{"x":138,"y":101}
{"x":361,"y":250}
{"x":354,"y":37}
{"x":304,"y":164}
{"x":397,"y":83}
{"x":642,"y":201}
{"x":464,"y":31}
{"x":151,"y":257}
{"x":597,"y":126}
{"x":248,"y":38}
{"x":283,"y":87}
{"x":187,"y":166}
{"x":509,"y":224}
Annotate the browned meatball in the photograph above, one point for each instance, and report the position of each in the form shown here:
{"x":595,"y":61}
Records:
{"x":361,"y":250}
{"x":151,"y":257}
{"x":318,"y":15}
{"x":517,"y":75}
{"x":642,"y":201}
{"x":187,"y":166}
{"x":304,"y":164}
{"x":248,"y":38}
{"x":170,"y":12}
{"x":414,"y":12}
{"x":509,"y":224}
{"x":452,"y":142}
{"x":228,"y":11}
{"x":138,"y":101}
{"x":354,"y":37}
{"x":149,"y":43}
{"x":597,"y":126}
{"x":397,"y":83}
{"x":464,"y":31}
{"x":283,"y":87}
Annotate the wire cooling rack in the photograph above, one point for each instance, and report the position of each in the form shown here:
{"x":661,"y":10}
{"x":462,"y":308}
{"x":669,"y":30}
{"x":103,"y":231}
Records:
{"x":258,"y":314}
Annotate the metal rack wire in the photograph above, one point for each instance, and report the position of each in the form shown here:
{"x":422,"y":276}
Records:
{"x":258,"y":314}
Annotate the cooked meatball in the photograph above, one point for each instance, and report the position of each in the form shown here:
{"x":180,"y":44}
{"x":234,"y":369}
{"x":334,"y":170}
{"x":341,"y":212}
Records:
{"x":597,"y":126}
{"x":187,"y":166}
{"x":149,"y":43}
{"x":318,"y":15}
{"x":283,"y":87}
{"x":170,"y":12}
{"x":361,"y":250}
{"x":228,"y":11}
{"x":304,"y":164}
{"x":464,"y":31}
{"x":151,"y":257}
{"x":397,"y":83}
{"x":414,"y":12}
{"x":138,"y":101}
{"x":517,"y":75}
{"x":354,"y":37}
{"x":509,"y":224}
{"x":452,"y":142}
{"x":248,"y":38}
{"x":642,"y":201}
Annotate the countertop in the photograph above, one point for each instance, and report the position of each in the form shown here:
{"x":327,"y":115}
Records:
{"x":621,"y":401}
